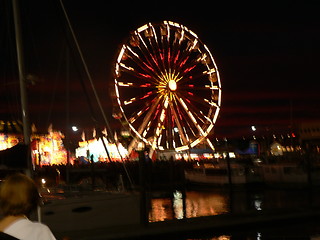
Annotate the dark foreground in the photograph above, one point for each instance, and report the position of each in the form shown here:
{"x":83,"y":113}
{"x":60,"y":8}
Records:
{"x":202,"y":227}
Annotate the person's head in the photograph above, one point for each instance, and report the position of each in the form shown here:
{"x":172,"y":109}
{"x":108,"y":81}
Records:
{"x":18,"y":195}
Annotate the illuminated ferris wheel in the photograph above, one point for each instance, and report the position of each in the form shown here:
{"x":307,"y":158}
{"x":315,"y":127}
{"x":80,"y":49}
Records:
{"x":167,"y":86}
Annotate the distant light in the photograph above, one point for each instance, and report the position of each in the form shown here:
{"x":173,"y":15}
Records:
{"x":140,"y":146}
{"x":74,"y":128}
{"x":176,"y":129}
{"x":253,"y":128}
{"x":43,"y":181}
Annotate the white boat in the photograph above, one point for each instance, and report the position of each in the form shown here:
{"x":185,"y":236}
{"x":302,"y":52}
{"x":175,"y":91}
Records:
{"x":91,"y":211}
{"x":216,"y":174}
{"x":284,"y":173}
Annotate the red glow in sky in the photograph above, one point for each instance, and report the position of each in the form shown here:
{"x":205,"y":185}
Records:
{"x":267,"y":57}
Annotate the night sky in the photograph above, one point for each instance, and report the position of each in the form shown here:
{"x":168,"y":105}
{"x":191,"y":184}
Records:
{"x":267,"y":55}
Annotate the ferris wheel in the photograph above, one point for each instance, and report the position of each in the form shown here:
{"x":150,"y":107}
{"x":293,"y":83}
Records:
{"x":167,"y":86}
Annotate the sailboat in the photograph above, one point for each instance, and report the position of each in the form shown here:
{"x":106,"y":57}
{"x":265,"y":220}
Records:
{"x":77,"y":210}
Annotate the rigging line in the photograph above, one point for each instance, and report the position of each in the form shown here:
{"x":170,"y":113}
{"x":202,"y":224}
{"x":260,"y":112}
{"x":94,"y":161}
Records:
{"x":87,"y":70}
{"x":93,"y":87}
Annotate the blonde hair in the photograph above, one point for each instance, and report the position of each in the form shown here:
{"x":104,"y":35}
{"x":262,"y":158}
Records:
{"x":18,"y":195}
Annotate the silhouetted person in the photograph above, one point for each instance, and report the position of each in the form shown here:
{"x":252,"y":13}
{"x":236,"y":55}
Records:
{"x":19,"y":197}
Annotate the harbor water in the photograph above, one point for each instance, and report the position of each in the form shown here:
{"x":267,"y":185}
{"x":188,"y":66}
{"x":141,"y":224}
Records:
{"x":186,"y":201}
{"x":215,"y":201}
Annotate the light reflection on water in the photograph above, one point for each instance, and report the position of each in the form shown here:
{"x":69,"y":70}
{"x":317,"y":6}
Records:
{"x":222,"y":237}
{"x":208,"y":203}
{"x":197,"y":204}
{"x":205,"y":204}
{"x":161,"y":210}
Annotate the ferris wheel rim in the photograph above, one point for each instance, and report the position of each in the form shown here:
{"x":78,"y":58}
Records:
{"x":172,"y":85}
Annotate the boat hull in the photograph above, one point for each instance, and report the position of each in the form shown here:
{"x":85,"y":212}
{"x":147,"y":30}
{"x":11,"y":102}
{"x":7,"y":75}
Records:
{"x":203,"y":178}
{"x":91,"y":211}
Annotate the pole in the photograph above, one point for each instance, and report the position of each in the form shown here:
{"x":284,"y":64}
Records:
{"x":22,"y":82}
{"x":229,"y":169}
{"x":68,"y":115}
{"x":143,"y":196}
{"x":20,"y":58}
{"x":228,"y":164}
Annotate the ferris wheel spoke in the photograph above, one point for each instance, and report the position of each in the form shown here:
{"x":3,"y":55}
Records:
{"x":187,"y":126}
{"x":191,"y":87}
{"x":174,"y":58}
{"x":178,"y":123}
{"x":185,"y":67}
{"x":147,"y":65}
{"x":182,"y":57}
{"x":199,"y":99}
{"x":189,"y":68}
{"x":200,"y":80}
{"x":158,"y":51}
{"x":134,"y":72}
{"x":148,"y":70}
{"x":210,"y":144}
{"x":154,"y":53}
{"x":149,"y":56}
{"x":173,"y":55}
{"x":166,"y":53}
{"x":181,"y":60}
{"x":190,"y":131}
{"x":151,"y":113}
{"x":136,"y":115}
{"x":211,"y":75}
{"x":205,"y":118}
{"x":160,"y":120}
{"x":191,"y":107}
{"x":193,"y":119}
{"x":139,"y":99}
{"x":160,"y":58}
{"x":121,"y":84}
{"x":154,"y":34}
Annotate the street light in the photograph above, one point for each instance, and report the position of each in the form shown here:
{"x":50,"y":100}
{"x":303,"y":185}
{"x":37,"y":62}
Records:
{"x":74,"y":128}
{"x":253,"y":128}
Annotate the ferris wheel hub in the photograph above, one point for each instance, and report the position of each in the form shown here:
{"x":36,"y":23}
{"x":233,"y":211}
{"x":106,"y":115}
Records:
{"x":172,"y":84}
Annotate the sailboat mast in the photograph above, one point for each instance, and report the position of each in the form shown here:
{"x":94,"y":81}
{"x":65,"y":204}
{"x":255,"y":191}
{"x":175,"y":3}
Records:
{"x":22,"y":83}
